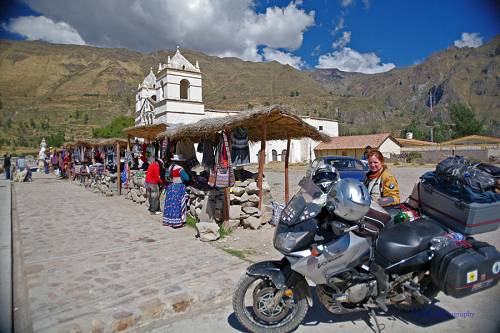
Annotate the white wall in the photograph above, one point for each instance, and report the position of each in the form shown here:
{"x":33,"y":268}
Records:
{"x":171,"y":81}
{"x":330,"y":127}
{"x":389,"y":147}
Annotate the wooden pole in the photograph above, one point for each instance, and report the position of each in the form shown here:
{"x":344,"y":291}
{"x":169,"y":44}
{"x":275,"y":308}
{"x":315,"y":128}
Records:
{"x":262,"y":157}
{"x":287,"y":156}
{"x":225,"y":208}
{"x":118,"y":173}
{"x":130,"y":153}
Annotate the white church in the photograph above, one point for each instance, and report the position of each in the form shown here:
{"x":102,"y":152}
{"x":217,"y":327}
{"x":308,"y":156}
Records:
{"x":174,"y":96}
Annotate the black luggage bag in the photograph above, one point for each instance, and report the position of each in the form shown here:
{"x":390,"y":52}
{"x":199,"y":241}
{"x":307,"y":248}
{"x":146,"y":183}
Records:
{"x":463,"y":268}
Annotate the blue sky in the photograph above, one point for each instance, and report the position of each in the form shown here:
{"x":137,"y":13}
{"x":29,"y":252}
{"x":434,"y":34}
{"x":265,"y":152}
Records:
{"x":368,"y":36}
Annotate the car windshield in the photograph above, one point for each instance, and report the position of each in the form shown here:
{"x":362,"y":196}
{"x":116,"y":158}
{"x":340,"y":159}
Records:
{"x":346,"y":164}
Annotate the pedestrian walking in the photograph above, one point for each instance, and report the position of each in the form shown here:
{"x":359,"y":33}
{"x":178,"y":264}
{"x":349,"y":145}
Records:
{"x":6,"y":166}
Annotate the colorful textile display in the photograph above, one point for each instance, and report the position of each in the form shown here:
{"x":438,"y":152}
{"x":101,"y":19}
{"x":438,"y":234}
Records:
{"x":240,"y":151}
{"x":225,"y":173}
{"x":175,"y":209}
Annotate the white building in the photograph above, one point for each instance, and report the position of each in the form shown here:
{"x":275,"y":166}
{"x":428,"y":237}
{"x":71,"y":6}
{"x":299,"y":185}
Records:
{"x":174,"y":95}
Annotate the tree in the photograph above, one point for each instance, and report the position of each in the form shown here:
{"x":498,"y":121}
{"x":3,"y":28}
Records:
{"x":56,"y":140}
{"x":115,"y":128}
{"x":465,"y":120}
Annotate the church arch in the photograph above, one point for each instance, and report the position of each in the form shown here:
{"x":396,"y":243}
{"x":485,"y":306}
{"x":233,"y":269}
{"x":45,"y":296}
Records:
{"x":184,"y":93}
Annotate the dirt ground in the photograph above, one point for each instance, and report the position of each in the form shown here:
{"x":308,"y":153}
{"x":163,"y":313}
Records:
{"x":257,"y":245}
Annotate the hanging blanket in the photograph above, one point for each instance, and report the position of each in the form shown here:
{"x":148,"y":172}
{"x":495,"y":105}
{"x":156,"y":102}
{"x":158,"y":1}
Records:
{"x":175,"y":210}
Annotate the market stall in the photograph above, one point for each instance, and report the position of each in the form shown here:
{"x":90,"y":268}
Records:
{"x":145,"y":146}
{"x":271,"y":123}
{"x":96,"y":163}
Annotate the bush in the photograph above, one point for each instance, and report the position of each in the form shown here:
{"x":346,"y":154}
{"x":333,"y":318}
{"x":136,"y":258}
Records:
{"x":412,"y":156}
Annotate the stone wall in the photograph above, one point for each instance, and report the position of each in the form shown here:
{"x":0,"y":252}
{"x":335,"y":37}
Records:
{"x":101,"y":183}
{"x":136,"y":190}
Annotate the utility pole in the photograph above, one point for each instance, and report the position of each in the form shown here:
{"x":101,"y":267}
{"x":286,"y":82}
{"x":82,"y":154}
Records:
{"x":431,"y":120}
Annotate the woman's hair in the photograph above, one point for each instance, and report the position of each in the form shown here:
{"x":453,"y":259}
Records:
{"x":376,"y":153}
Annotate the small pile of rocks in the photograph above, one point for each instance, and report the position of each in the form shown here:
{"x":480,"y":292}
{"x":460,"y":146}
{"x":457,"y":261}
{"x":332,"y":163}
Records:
{"x":207,"y":207}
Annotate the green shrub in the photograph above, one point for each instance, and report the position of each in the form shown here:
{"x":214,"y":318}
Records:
{"x":412,"y":156}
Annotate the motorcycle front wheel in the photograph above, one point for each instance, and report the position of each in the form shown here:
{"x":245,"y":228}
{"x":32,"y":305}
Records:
{"x":254,"y":306}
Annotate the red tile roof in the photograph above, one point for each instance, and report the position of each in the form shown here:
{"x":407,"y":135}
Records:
{"x":355,"y":141}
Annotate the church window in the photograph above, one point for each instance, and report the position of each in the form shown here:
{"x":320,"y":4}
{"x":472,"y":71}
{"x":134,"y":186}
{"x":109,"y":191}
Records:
{"x":275,"y":155}
{"x":184,"y":89}
{"x":283,"y":155}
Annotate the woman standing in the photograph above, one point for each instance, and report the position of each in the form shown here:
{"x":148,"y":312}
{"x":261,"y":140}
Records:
{"x":175,"y":210}
{"x":382,"y":186}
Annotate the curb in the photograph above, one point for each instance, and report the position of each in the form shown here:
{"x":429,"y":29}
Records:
{"x":5,"y":257}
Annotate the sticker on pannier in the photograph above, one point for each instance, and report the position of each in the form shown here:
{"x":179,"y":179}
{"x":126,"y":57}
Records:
{"x":472,"y":276}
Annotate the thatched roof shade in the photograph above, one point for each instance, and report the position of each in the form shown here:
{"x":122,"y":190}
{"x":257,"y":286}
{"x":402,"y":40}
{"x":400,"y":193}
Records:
{"x":281,"y":125}
{"x":108,"y":142}
{"x":148,"y":132}
{"x":99,"y":142}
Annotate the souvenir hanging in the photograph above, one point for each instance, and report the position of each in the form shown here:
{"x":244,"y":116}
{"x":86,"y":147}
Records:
{"x":240,"y":151}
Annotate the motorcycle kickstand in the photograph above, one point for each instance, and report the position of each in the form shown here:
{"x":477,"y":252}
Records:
{"x":373,"y":315}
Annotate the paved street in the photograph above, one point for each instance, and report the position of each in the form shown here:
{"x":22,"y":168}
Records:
{"x":100,"y":264}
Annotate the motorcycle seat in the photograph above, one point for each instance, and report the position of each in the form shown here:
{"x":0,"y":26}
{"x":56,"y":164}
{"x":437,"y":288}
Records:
{"x":404,"y":240}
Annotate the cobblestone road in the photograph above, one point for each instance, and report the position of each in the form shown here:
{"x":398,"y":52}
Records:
{"x":99,"y":264}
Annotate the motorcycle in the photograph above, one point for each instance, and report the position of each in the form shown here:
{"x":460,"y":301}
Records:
{"x":333,"y":235}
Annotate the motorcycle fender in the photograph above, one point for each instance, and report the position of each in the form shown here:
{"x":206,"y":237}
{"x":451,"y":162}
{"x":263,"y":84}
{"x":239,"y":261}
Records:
{"x":269,"y":269}
{"x":273,"y":271}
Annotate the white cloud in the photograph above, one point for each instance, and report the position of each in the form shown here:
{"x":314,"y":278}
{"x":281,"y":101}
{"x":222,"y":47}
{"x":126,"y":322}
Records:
{"x":284,"y":58}
{"x":340,"y":25}
{"x":216,"y":27}
{"x":42,"y":28}
{"x":472,"y":39}
{"x":316,"y":51}
{"x":346,"y":3}
{"x":349,"y":60}
{"x":342,"y":41}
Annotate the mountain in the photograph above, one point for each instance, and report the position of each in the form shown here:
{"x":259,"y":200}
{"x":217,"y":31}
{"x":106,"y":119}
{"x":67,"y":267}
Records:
{"x":48,"y":88}
{"x":455,"y":75}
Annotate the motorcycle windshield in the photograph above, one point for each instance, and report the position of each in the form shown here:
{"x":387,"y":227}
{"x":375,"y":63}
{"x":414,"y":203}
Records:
{"x":304,"y":205}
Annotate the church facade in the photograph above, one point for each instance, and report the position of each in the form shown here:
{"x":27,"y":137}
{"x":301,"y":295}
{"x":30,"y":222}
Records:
{"x":174,"y":95}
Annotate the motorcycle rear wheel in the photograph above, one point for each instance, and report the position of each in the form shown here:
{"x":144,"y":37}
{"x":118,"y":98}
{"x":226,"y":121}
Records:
{"x":257,"y":317}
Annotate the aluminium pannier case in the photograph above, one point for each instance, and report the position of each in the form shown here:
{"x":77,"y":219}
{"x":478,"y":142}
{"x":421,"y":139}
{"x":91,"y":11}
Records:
{"x":465,"y":268}
{"x":466,"y":218}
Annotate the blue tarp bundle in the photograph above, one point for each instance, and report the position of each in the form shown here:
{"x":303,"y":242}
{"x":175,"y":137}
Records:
{"x":459,"y":190}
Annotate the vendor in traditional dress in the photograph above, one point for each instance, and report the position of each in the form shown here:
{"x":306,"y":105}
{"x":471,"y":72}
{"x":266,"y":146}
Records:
{"x":175,"y":209}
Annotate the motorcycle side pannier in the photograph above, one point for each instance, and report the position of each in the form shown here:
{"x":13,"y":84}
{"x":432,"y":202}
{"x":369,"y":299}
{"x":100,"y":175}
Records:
{"x":466,"y":218}
{"x":464,"y":268}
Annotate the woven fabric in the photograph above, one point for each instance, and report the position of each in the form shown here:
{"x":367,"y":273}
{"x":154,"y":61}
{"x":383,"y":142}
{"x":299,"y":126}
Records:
{"x":175,"y":209}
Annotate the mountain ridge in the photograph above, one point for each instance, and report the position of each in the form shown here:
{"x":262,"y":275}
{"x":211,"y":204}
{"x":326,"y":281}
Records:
{"x":47,"y":88}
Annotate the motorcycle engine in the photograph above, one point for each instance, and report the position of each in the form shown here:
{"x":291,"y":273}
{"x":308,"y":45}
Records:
{"x":338,"y":302}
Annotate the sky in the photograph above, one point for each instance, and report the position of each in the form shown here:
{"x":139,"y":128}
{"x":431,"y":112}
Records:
{"x":366,"y":36}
